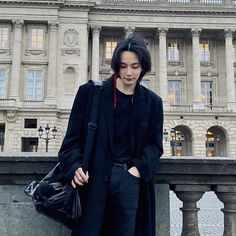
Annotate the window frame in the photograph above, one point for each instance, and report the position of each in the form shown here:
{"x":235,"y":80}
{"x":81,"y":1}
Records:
{"x":211,"y":101}
{"x":7,"y":47}
{"x":42,"y":84}
{"x":6,"y":82}
{"x":36,"y":50}
{"x":181,"y":92}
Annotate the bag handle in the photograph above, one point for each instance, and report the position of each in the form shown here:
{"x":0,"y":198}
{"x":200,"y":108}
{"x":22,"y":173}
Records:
{"x":92,"y":124}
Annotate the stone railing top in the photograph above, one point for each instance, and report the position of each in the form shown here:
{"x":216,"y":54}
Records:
{"x":20,"y":168}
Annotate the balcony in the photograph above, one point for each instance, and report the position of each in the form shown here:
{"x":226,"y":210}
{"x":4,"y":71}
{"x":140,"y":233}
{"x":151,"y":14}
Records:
{"x":200,"y":3}
{"x":189,"y":108}
{"x":188,"y":177}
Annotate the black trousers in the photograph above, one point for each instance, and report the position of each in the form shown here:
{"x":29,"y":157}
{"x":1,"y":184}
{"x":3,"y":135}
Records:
{"x":122,"y":203}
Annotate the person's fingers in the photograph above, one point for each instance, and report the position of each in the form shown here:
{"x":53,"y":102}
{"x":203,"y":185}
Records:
{"x":81,"y":176}
{"x":73,"y":184}
{"x":78,"y":180}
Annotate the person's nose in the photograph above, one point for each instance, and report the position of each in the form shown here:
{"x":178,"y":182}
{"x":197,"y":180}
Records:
{"x":129,"y":70}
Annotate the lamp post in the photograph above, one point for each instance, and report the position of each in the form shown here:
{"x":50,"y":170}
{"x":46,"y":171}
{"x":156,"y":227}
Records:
{"x":175,"y":137}
{"x":47,"y":131}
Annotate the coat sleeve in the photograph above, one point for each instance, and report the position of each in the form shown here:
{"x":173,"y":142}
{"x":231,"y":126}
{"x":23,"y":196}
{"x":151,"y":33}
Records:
{"x":148,"y":162}
{"x":71,"y":152}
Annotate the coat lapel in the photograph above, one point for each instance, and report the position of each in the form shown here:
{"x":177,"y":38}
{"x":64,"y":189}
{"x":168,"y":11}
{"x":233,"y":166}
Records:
{"x":138,"y":114}
{"x":108,"y":106}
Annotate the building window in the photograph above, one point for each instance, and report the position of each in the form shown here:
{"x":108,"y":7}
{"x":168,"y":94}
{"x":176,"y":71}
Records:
{"x":36,"y":38}
{"x":110,"y":47}
{"x":3,"y":83}
{"x":30,"y":124}
{"x":204,"y":52}
{"x":29,"y":144}
{"x":4,"y":37}
{"x":174,"y":92}
{"x":207,"y":92}
{"x":173,"y":52}
{"x":34,"y":87}
{"x":2,"y":133}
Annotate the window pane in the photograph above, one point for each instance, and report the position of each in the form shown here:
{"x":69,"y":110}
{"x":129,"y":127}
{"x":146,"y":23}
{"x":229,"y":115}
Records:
{"x":34,"y":85}
{"x":173,"y":52}
{"x":4,"y":37}
{"x":207,"y":92}
{"x":110,"y":47}
{"x":174,"y":92}
{"x":36,"y":38}
{"x":2,"y":83}
{"x":204,"y":52}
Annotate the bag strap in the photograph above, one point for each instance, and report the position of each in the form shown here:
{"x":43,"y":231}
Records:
{"x":92,"y":124}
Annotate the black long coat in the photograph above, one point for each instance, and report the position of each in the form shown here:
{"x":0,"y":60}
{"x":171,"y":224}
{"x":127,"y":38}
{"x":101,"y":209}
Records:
{"x":146,"y":149}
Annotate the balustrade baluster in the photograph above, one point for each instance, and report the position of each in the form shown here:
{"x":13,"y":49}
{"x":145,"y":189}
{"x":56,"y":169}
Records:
{"x":189,"y":195}
{"x":227,"y":195}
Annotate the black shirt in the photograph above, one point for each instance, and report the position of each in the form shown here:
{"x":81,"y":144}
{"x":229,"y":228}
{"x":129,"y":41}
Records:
{"x":121,"y":119}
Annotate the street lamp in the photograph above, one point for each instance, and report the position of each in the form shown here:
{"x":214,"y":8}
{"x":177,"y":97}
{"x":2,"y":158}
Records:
{"x":175,"y":137}
{"x":47,"y":131}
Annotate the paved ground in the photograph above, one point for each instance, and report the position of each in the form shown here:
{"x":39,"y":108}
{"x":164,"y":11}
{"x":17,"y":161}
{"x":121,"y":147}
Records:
{"x":210,"y":217}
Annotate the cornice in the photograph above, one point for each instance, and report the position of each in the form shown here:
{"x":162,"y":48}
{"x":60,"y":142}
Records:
{"x":32,"y":2}
{"x":164,"y":10}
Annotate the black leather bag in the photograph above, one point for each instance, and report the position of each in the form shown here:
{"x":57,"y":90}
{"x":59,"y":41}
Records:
{"x":53,"y":196}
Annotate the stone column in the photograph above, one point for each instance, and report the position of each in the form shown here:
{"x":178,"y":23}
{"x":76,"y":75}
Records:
{"x":16,"y":59}
{"x":230,"y":85}
{"x":227,"y":195}
{"x":197,"y":104}
{"x":129,"y":30}
{"x":52,"y":64}
{"x":95,"y":52}
{"x":163,"y":65}
{"x":189,"y":195}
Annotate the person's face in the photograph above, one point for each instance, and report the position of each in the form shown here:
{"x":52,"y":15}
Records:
{"x":130,"y":68}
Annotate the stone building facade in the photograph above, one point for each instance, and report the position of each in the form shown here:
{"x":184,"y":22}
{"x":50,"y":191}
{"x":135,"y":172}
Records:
{"x":50,"y":47}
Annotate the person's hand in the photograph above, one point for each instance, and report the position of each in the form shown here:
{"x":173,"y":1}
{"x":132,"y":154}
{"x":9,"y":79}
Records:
{"x":134,"y":171}
{"x":80,"y":178}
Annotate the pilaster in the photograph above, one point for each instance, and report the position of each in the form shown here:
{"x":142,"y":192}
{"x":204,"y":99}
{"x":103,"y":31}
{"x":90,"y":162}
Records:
{"x":197,"y":104}
{"x":52,"y":64}
{"x":16,"y":59}
{"x":229,"y":63}
{"x":95,"y":51}
{"x":163,"y":65}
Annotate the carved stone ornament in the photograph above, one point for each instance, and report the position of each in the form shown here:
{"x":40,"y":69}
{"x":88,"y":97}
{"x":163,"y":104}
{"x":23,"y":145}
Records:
{"x":18,"y":24}
{"x":71,"y":38}
{"x":229,"y":33}
{"x":11,"y":116}
{"x":5,"y":51}
{"x":53,"y":26}
{"x":162,"y":31}
{"x":196,"y":32}
{"x":129,"y":30}
{"x":70,"y":51}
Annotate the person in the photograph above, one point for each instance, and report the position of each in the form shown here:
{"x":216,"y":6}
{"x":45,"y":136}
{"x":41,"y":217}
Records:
{"x":117,"y":193}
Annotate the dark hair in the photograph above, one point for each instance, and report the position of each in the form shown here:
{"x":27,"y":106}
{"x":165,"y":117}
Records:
{"x":132,"y":44}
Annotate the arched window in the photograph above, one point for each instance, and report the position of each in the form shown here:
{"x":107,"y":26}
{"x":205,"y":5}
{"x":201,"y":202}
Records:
{"x":69,"y":80}
{"x":216,"y":142}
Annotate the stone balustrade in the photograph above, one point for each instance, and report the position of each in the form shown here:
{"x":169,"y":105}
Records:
{"x":188,"y":177}
{"x":210,"y":3}
{"x":191,"y":177}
